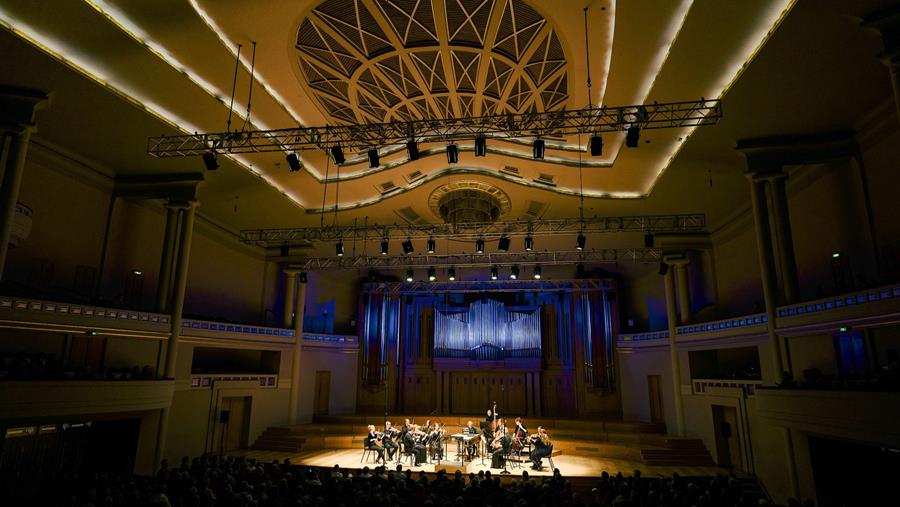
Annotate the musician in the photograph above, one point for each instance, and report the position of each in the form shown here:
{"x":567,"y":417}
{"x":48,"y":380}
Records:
{"x":413,"y":441}
{"x":373,"y":443}
{"x":521,"y":434}
{"x":434,"y":440}
{"x":390,"y":446}
{"x":541,"y":448}
{"x":499,"y":444}
{"x":471,"y":445}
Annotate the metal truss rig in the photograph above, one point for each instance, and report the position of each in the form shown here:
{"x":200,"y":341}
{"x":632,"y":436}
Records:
{"x":363,"y":137}
{"x":605,"y":256}
{"x":695,"y":222}
{"x":469,"y":286}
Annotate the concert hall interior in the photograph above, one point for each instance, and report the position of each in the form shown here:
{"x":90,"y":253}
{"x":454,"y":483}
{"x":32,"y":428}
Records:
{"x":618,"y":236}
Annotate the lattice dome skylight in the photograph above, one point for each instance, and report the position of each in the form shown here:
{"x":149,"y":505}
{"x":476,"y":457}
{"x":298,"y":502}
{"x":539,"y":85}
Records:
{"x":370,"y":61}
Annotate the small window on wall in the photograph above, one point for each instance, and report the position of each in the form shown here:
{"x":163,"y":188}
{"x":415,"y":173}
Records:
{"x":850,"y":350}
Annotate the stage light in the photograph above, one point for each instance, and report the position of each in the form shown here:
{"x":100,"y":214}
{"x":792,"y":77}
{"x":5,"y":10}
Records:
{"x":479,"y":246}
{"x":480,"y":146}
{"x":431,"y":245}
{"x":452,"y":153}
{"x":337,"y":153}
{"x":537,"y":273}
{"x":596,"y":146}
{"x":339,"y":248}
{"x":648,"y":240}
{"x":285,"y":250}
{"x":412,"y":149}
{"x":409,"y":275}
{"x":384,"y":246}
{"x":374,"y":158}
{"x":408,"y":247}
{"x":293,"y":162}
{"x":503,"y":244}
{"x":632,"y":136}
{"x":209,"y":158}
{"x":493,"y":272}
{"x":432,"y":274}
{"x":529,"y":243}
{"x":451,"y":274}
{"x":663,"y":268}
{"x":303,"y":277}
{"x":137,"y":272}
{"x":580,"y":242}
{"x":514,"y":272}
{"x":537,"y":149}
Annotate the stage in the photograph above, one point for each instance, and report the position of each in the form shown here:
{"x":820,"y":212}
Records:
{"x":569,"y":465}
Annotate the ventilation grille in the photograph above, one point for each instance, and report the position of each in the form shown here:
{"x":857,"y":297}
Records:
{"x":536,"y":209}
{"x":510,"y":170}
{"x":413,"y":176}
{"x":410,"y":215}
{"x":386,"y":187}
{"x":545,"y":179}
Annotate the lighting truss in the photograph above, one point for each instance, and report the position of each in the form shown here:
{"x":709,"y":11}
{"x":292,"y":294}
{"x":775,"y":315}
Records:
{"x":469,"y":286}
{"x":695,"y":222}
{"x":462,"y":260}
{"x":363,"y":137}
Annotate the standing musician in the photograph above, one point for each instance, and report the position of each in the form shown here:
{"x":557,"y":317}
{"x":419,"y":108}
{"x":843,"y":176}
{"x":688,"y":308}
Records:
{"x":542,"y":448}
{"x":373,"y":443}
{"x":471,"y":446}
{"x":413,"y":443}
{"x":390,"y":446}
{"x":434,"y":440}
{"x":521,"y":435}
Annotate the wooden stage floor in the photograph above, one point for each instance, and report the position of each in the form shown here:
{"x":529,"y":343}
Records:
{"x":569,"y":466}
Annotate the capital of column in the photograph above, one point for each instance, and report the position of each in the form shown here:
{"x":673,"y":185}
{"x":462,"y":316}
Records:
{"x":178,"y":205}
{"x":17,"y":107}
{"x":679,"y":261}
{"x":291,"y":272}
{"x":887,"y":23}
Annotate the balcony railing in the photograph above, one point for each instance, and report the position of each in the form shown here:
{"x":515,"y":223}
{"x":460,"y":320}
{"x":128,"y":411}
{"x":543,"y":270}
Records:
{"x":841,"y":302}
{"x":703,"y":386}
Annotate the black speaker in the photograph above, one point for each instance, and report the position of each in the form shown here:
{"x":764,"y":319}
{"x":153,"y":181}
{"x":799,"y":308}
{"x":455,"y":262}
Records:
{"x":224,"y":415}
{"x":663,"y":268}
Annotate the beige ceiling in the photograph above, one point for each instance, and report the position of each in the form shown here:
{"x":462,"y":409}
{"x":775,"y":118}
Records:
{"x":124,"y":70}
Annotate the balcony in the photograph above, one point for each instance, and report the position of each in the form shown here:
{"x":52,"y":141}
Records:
{"x":878,"y":306}
{"x":27,"y":399}
{"x":38,"y":315}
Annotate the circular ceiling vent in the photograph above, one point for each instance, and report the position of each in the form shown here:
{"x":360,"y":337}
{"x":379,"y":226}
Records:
{"x":373,"y":61}
{"x":465,"y":202}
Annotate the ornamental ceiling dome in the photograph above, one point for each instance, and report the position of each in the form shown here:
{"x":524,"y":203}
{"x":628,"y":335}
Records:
{"x":373,"y":61}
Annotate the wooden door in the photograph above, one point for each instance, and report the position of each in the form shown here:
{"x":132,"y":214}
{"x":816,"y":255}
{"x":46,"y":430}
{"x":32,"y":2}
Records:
{"x":323,"y":393}
{"x":654,"y":385}
{"x":237,"y":429}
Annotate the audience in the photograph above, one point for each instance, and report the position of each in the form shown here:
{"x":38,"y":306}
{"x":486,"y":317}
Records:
{"x":42,"y":366}
{"x":236,"y":482}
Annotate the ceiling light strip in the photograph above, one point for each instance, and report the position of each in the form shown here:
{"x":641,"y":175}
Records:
{"x":610,"y":40}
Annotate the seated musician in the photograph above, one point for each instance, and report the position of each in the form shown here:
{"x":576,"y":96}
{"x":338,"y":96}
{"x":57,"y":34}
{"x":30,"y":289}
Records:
{"x":435,"y":437}
{"x":521,"y":434}
{"x":373,"y":443}
{"x":413,"y":442}
{"x":471,"y":445}
{"x":390,"y":446}
{"x":542,"y":448}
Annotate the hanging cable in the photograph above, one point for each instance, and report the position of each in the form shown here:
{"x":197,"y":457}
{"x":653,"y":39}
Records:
{"x":237,"y":61}
{"x":324,"y":192}
{"x":587,"y":52}
{"x":250,"y":95}
{"x":580,"y":184}
{"x":337,"y":189}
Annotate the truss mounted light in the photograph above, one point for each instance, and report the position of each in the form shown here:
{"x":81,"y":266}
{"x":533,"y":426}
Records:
{"x":632,"y":136}
{"x":529,"y":243}
{"x":451,"y":274}
{"x":514,"y":273}
{"x":480,"y":146}
{"x":479,"y":246}
{"x":580,"y":242}
{"x":432,"y":274}
{"x":494,"y":272}
{"x":293,"y":162}
{"x":409,"y":275}
{"x":408,"y":246}
{"x":339,"y":248}
{"x":412,"y":149}
{"x":537,"y":149}
{"x":209,"y":159}
{"x":431,"y":245}
{"x":537,"y":272}
{"x":385,"y":246}
{"x":503,"y":244}
{"x":374,"y":158}
{"x":596,"y":144}
{"x":337,"y":153}
{"x":452,"y":153}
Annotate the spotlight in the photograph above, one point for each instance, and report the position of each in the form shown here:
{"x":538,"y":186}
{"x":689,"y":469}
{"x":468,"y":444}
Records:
{"x":537,"y":149}
{"x":529,"y":243}
{"x":293,"y":162}
{"x":452,"y":153}
{"x":632,"y":136}
{"x":409,"y":275}
{"x":479,"y":246}
{"x":408,"y":246}
{"x":579,"y":243}
{"x":480,"y":146}
{"x":432,"y":274}
{"x":514,"y":272}
{"x":493,"y":272}
{"x":337,"y":153}
{"x":303,"y":277}
{"x":537,"y":273}
{"x":596,"y":146}
{"x":648,"y":240}
{"x":663,"y":268}
{"x":503,"y":244}
{"x":431,"y":245}
{"x":209,"y":158}
{"x":412,"y":149}
{"x":339,"y":248}
{"x":384,"y":246}
{"x":374,"y":159}
{"x":451,"y":274}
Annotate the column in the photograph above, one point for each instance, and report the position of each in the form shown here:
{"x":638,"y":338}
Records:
{"x":766,"y":267}
{"x":290,"y":286}
{"x":164,"y":285}
{"x":17,"y":108}
{"x":887,"y":23}
{"x":784,"y":236}
{"x":683,"y":289}
{"x":672,"y":316}
{"x":182,"y":258}
{"x":296,"y":355}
